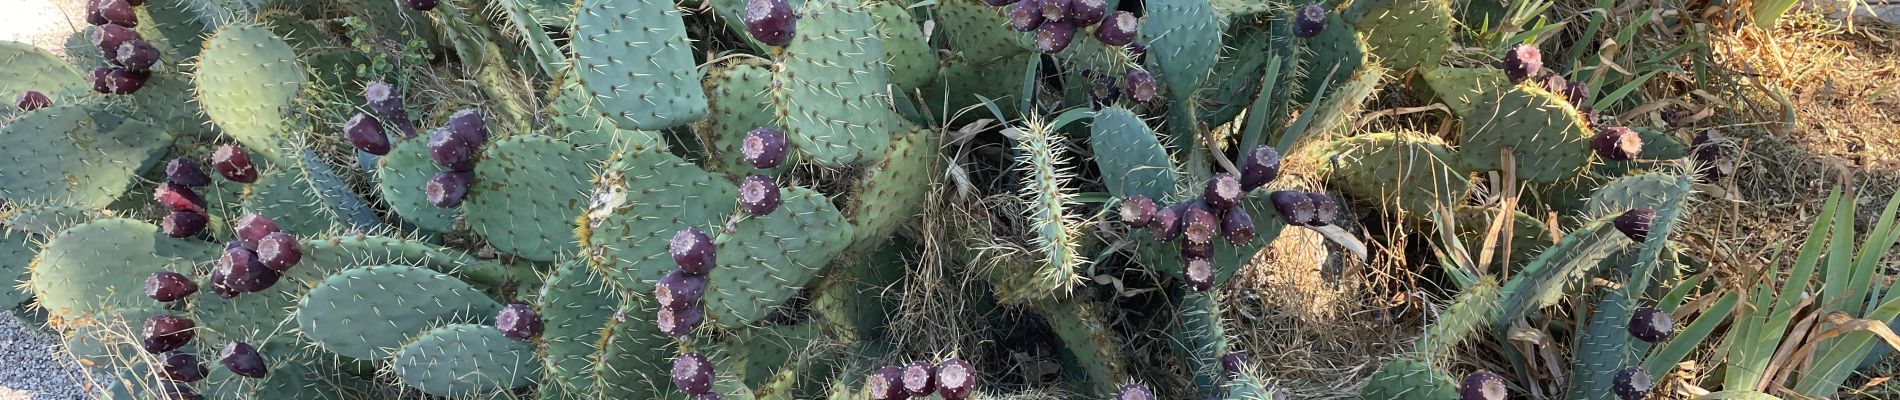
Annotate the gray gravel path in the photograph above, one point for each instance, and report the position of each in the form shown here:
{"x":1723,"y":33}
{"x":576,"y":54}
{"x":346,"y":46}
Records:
{"x":31,"y":368}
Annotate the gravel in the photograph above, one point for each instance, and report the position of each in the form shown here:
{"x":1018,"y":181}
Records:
{"x":32,"y":368}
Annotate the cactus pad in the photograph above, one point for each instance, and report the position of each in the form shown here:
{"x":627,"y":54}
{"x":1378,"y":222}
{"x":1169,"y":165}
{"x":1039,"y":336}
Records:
{"x":401,"y":176}
{"x":739,"y":91}
{"x":67,"y":278}
{"x":833,"y":101}
{"x":577,"y":304}
{"x":248,"y":80}
{"x":527,"y":191}
{"x":1549,"y":139}
{"x":767,"y":259}
{"x":296,"y":373}
{"x":1336,"y":53}
{"x":1408,"y":171}
{"x":1404,"y":34}
{"x":1183,"y":40}
{"x":636,"y":65}
{"x":284,"y":195}
{"x":367,"y":312}
{"x":30,"y":68}
{"x":75,"y":154}
{"x":1410,"y":380}
{"x":1130,"y":156}
{"x":634,"y":358}
{"x":975,"y":31}
{"x":891,"y":192}
{"x":912,"y":62}
{"x":464,"y":359}
{"x":16,"y":255}
{"x":640,"y":200}
{"x":1650,"y":190}
{"x":1543,"y":282}
{"x":1460,"y":87}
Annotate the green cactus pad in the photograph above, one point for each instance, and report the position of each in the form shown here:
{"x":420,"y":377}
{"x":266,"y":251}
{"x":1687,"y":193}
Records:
{"x":16,"y":256}
{"x":173,"y":27}
{"x":1406,"y":170}
{"x":767,"y":259}
{"x":1650,"y":190}
{"x":167,"y":99}
{"x":912,"y":62}
{"x":332,"y":255}
{"x":1548,"y":137}
{"x":1079,"y":324}
{"x":248,"y":81}
{"x":1183,"y":40}
{"x":833,"y":98}
{"x":1460,"y":87}
{"x":100,"y":267}
{"x":463,"y":359}
{"x":1410,"y":380}
{"x":765,"y":351}
{"x":634,"y":357}
{"x":1404,"y":34}
{"x":890,"y":192}
{"x":966,"y":83}
{"x":739,"y":92}
{"x":1235,"y":80}
{"x":296,"y":373}
{"x":46,"y":220}
{"x":527,"y":191}
{"x":576,"y":304}
{"x":1201,"y":339}
{"x":30,"y":68}
{"x":1337,"y":53}
{"x":641,"y":199}
{"x":1130,"y":156}
{"x":367,"y":312}
{"x":285,"y":196}
{"x":635,"y":63}
{"x":1343,"y":101}
{"x":855,"y":296}
{"x":1469,"y":314}
{"x":977,"y":32}
{"x":1544,"y":282}
{"x":1084,"y":53}
{"x":1529,"y":236}
{"x":401,"y":177}
{"x":75,"y":154}
{"x":1658,"y":147}
{"x":1049,"y":211}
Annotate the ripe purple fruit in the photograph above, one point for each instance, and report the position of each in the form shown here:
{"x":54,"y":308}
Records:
{"x":1054,"y":36}
{"x":1234,"y":362}
{"x":1196,"y":250}
{"x":183,"y":224}
{"x":1522,"y":62}
{"x":167,"y":332}
{"x":758,"y":195}
{"x":452,"y":151}
{"x":1652,"y":325}
{"x":1167,"y":222}
{"x":108,"y":37}
{"x":1139,"y":85}
{"x":184,"y":367}
{"x":176,"y":391}
{"x":33,"y":100}
{"x":176,"y":197}
{"x":679,"y":323}
{"x":92,"y":13}
{"x":770,"y":21}
{"x":185,"y":172}
{"x":1138,"y":211}
{"x":243,"y":273}
{"x":679,"y":290}
{"x":167,"y":286}
{"x":1135,"y":391}
{"x":764,"y":148}
{"x":420,"y":5}
{"x":1484,"y":385}
{"x":709,"y":396}
{"x":117,"y":12}
{"x":1259,"y":167}
{"x":1223,"y":191}
{"x":1618,"y":143}
{"x":692,"y":250}
{"x":217,"y":282}
{"x":919,"y":379}
{"x":518,"y":322}
{"x":1055,"y":10}
{"x":252,"y":228}
{"x":366,"y":134}
{"x":387,"y":104}
{"x":886,"y":384}
{"x":242,"y":359}
{"x":1577,"y":93}
{"x":693,"y":373}
{"x":1554,"y":83}
{"x":1104,"y":92}
{"x":1632,"y":383}
{"x":1237,"y":226}
{"x":1118,"y":29}
{"x":1712,"y":158}
{"x":118,"y":80}
{"x":1324,"y":209}
{"x":279,"y":251}
{"x":447,"y":188}
{"x":1026,"y":15}
{"x":1635,"y":223}
{"x":469,"y":124}
{"x":955,"y":379}
{"x":1200,"y":274}
{"x":1087,"y":12}
{"x":1294,"y":207}
{"x":1198,"y":223}
{"x":1310,"y":21}
{"x":136,"y":55}
{"x":234,"y":164}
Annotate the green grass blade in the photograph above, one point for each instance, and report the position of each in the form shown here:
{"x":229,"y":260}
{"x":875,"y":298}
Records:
{"x":1664,"y":358}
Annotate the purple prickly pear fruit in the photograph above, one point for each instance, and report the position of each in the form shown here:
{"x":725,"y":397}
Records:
{"x":679,"y":323}
{"x":1618,"y":143}
{"x":1632,"y":383}
{"x":1196,"y":250}
{"x":185,"y":172}
{"x":708,"y":396}
{"x":1309,"y":21}
{"x":758,"y":195}
{"x":1139,"y":85}
{"x":1484,"y":385}
{"x":136,"y":55}
{"x":109,"y":37}
{"x":1709,"y":152}
{"x":279,"y":251}
{"x":763,"y":148}
{"x":955,"y":379}
{"x":1259,"y":167}
{"x":1104,"y":93}
{"x":920,"y":378}
{"x":469,"y":124}
{"x":1118,"y":29}
{"x":234,"y":164}
{"x":33,"y":100}
{"x":242,"y":359}
{"x":1138,"y":211}
{"x":184,"y":367}
{"x":217,"y":283}
{"x":243,"y":273}
{"x":679,"y":290}
{"x":1223,"y":191}
{"x":252,"y":228}
{"x":183,"y":223}
{"x":167,"y":286}
{"x":1294,"y":207}
{"x":176,"y":197}
{"x":167,"y":332}
{"x":420,"y":5}
{"x":692,"y":250}
{"x":1577,"y":93}
{"x":693,"y":373}
{"x":886,"y":384}
{"x":1087,"y":12}
{"x":1555,"y":84}
{"x":93,"y":17}
{"x":1167,"y":222}
{"x":1055,"y":36}
{"x":1635,"y":223}
{"x":447,"y":188}
{"x":1234,"y":362}
{"x":175,"y":391}
{"x":1237,"y":226}
{"x":1134,"y":391}
{"x":451,"y":151}
{"x":770,"y":21}
{"x":366,"y":134}
{"x":999,"y":3}
{"x":518,"y":322}
{"x":1054,"y":10}
{"x":1026,"y":15}
{"x":387,"y":104}
{"x":118,"y":80}
{"x":1522,"y":62}
{"x":1324,"y":209}
{"x":1198,"y":223}
{"x":1200,"y":274}
{"x":1652,"y":325}
{"x":112,"y":12}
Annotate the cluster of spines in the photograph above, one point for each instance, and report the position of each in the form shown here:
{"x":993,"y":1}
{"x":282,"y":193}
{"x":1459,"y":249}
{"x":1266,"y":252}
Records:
{"x":1046,"y":193}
